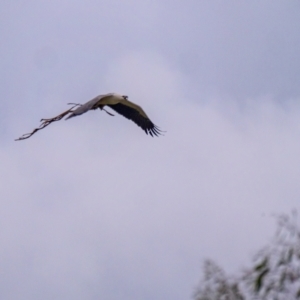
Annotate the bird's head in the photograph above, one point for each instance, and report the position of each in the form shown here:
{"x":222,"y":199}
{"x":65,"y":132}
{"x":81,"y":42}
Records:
{"x":125,"y":97}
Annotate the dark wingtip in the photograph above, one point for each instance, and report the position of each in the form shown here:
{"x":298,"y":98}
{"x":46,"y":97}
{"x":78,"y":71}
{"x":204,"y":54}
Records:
{"x":154,"y":131}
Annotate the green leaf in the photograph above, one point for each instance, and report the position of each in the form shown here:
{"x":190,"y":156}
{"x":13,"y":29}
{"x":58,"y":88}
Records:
{"x":290,"y":255}
{"x":259,"y":281}
{"x":262,"y":265}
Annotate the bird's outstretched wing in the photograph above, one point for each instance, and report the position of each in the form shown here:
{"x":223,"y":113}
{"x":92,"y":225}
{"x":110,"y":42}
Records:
{"x":135,"y":113}
{"x":86,"y":106}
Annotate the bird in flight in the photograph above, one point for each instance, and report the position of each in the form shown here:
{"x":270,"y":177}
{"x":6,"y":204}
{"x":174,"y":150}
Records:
{"x":118,"y":103}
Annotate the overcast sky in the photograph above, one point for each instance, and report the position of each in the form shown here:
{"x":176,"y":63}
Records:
{"x":93,"y":208}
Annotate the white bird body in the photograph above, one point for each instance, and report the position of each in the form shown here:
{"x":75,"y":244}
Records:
{"x":121,"y":105}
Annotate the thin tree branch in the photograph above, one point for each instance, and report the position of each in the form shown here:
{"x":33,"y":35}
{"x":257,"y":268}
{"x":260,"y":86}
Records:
{"x":46,"y":122}
{"x":75,"y":104}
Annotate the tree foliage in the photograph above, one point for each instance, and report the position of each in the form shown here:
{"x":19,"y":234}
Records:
{"x":274,"y":272}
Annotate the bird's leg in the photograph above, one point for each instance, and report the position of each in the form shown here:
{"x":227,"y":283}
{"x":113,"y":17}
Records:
{"x":107,"y":111}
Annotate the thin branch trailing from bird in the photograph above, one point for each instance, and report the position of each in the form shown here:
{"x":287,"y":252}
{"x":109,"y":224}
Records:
{"x":46,"y":122}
